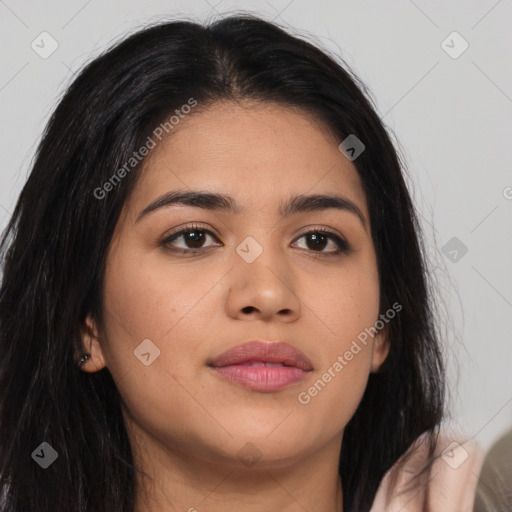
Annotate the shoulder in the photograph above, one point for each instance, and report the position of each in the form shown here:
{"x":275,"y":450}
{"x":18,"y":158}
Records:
{"x":446,"y":481}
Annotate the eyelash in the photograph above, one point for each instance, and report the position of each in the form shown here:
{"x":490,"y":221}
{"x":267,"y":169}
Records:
{"x":343,"y":246}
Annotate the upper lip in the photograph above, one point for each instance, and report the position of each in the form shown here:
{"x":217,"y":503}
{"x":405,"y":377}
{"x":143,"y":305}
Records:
{"x":269,"y":352}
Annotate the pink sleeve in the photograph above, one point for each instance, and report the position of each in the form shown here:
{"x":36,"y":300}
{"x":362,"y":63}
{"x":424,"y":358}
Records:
{"x":451,"y":485}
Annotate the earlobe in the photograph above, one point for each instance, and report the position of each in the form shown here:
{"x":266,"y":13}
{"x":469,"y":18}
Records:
{"x":380,"y":350}
{"x":92,"y":359}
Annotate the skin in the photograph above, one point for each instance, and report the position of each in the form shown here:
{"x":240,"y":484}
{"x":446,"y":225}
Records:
{"x":185,"y":422}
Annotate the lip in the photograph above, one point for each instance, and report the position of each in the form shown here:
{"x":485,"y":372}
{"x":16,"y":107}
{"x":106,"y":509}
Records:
{"x":235,"y":365}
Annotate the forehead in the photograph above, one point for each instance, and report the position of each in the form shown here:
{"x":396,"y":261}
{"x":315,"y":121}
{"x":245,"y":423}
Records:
{"x":258,"y":153}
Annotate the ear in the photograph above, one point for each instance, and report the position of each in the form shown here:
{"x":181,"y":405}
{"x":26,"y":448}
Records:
{"x":380,"y":349}
{"x":92,"y":345}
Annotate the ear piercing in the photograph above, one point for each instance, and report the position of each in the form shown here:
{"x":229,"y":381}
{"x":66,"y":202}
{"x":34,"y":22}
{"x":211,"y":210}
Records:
{"x":83,"y":359}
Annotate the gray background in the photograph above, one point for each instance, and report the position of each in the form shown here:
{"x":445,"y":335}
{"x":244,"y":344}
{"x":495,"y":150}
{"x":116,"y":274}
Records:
{"x":451,"y":116}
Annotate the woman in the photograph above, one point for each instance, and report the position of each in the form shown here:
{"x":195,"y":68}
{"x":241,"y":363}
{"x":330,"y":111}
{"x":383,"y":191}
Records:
{"x":214,"y":294}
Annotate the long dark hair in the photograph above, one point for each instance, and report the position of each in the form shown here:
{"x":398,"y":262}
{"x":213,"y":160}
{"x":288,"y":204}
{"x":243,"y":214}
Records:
{"x":53,"y":255}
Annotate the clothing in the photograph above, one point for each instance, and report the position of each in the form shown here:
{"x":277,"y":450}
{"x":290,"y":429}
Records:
{"x":450,"y":486}
{"x":494,"y":489}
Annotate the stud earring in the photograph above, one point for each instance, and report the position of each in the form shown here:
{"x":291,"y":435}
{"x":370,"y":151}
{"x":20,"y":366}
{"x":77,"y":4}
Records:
{"x":83,"y":359}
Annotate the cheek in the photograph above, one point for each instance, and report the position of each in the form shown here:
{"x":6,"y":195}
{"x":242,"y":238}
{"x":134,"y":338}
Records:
{"x":170,"y":305}
{"x":151,"y":300}
{"x":346,"y":302}
{"x":166,"y":305}
{"x":348,"y":316}
{"x":348,"y":312}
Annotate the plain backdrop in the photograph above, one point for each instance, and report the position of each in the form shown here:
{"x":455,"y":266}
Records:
{"x":446,"y":97}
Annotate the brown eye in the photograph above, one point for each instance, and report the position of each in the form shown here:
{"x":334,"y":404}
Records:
{"x":318,"y":239}
{"x":193,"y":238}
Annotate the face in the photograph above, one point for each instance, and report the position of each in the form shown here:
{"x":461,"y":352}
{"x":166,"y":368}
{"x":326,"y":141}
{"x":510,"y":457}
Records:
{"x":185,"y":283}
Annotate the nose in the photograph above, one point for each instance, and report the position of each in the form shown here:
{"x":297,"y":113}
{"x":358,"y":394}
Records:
{"x":264,"y":289}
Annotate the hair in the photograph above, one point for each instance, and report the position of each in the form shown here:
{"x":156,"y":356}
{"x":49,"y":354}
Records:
{"x":54,"y":249}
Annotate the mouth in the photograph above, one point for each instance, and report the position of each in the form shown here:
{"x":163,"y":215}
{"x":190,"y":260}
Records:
{"x":262,"y":366}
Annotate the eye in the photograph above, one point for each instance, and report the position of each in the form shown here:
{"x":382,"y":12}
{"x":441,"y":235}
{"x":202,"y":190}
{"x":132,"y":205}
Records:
{"x":318,"y":239}
{"x":193,"y":237}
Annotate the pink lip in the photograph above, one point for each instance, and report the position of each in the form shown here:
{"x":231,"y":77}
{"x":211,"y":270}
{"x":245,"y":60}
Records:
{"x":234,"y":365}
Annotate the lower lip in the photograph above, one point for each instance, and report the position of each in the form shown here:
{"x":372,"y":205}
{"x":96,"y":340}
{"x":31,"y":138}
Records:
{"x":261,"y":378}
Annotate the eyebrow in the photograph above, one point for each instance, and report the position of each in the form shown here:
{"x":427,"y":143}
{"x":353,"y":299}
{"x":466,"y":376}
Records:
{"x":221,"y":202}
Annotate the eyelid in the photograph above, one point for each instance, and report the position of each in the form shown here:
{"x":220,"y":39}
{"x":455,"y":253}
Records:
{"x":312,"y":228}
{"x":188,"y":227}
